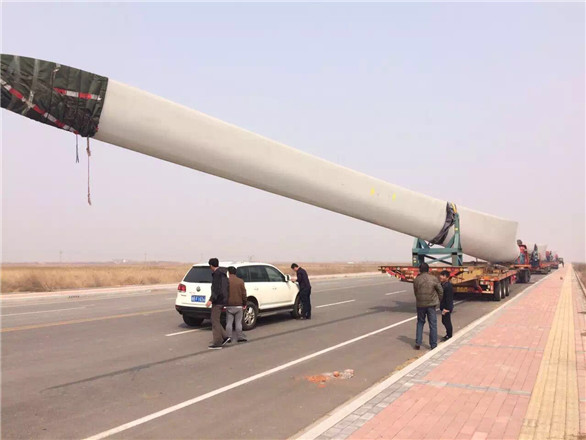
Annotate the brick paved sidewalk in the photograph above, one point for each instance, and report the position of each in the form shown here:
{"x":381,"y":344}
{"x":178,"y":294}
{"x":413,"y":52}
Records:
{"x":518,"y":375}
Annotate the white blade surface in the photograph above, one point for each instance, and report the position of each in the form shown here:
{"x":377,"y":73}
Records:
{"x":143,"y":122}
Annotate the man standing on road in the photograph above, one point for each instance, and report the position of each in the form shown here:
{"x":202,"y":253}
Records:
{"x":428,"y":293}
{"x":447,"y":303}
{"x":217,"y":300}
{"x":304,"y":291}
{"x":236,"y":304}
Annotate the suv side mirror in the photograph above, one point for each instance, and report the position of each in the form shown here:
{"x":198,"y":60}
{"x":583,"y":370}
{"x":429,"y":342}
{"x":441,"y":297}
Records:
{"x":287,"y":278}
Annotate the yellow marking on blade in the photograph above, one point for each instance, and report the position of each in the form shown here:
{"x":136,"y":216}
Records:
{"x":372,"y":191}
{"x":394,"y":196}
{"x":80,"y":321}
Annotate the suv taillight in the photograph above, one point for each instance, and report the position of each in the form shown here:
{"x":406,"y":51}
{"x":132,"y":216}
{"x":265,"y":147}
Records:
{"x":181,"y":288}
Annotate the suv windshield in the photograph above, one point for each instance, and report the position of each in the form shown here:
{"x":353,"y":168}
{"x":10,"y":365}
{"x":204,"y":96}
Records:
{"x":199,"y":274}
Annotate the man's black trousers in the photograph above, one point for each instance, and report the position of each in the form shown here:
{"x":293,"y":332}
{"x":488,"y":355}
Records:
{"x":304,"y":295}
{"x":447,"y":322}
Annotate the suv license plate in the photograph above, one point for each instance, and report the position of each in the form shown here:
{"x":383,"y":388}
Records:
{"x":198,"y":298}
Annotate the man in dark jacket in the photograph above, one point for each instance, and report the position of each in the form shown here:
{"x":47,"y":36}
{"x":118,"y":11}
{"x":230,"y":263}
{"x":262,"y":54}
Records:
{"x":218,"y":299}
{"x":428,"y":294}
{"x":447,"y":303}
{"x":235,"y":305}
{"x":304,"y":291}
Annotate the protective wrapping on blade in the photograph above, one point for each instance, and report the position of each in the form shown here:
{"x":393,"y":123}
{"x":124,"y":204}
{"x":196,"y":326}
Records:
{"x":57,"y":95}
{"x":440,"y":238}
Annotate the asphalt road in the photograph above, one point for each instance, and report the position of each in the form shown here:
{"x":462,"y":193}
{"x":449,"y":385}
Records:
{"x":75,"y":367}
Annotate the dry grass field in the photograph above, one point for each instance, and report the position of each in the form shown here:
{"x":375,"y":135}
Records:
{"x":50,"y":277}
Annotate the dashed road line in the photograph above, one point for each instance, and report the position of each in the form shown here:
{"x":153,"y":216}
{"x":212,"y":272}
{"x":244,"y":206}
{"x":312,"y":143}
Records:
{"x":392,"y":293}
{"x":79,"y":321}
{"x":188,"y":331}
{"x":42,"y":311}
{"x":335,"y":304}
{"x":351,"y":287}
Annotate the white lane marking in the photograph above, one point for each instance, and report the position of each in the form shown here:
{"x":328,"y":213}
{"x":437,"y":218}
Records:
{"x":239,"y":383}
{"x":186,"y":331}
{"x":335,"y":304}
{"x":43,"y":311}
{"x":392,"y":293}
{"x":351,"y":287}
{"x":80,"y":299}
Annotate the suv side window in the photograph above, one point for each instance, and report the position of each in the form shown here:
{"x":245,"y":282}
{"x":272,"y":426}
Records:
{"x":242,"y":272}
{"x":274,"y":275}
{"x":258,"y":274}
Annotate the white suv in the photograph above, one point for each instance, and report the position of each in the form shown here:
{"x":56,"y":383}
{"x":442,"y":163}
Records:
{"x":268,"y":290}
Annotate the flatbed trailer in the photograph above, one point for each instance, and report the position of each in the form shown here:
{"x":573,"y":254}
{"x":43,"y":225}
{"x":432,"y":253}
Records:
{"x":482,"y":278}
{"x":541,"y":267}
{"x":474,"y":277}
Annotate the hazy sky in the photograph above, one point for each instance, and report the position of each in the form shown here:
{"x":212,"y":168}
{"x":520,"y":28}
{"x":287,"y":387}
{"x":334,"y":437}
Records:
{"x":479,"y":104}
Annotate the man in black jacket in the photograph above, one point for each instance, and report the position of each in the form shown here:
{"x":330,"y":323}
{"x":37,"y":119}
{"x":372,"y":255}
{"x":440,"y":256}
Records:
{"x":304,"y":291}
{"x":447,"y":303}
{"x":217,"y":301}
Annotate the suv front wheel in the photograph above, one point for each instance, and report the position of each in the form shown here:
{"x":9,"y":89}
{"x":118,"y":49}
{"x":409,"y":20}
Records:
{"x":297,"y":308}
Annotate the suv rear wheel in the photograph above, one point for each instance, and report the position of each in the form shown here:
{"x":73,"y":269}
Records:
{"x":250,"y":316}
{"x":191,"y":321}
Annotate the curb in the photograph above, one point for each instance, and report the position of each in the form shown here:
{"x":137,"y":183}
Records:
{"x":143,"y":288}
{"x":326,"y":422}
{"x":579,"y":281}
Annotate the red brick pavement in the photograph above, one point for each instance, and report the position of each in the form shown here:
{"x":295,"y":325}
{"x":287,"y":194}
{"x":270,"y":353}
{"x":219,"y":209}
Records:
{"x":505,"y":355}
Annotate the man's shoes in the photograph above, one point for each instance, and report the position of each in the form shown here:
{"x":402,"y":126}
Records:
{"x":308,"y":317}
{"x":445,"y":338}
{"x":226,"y":341}
{"x":242,"y":340}
{"x":417,"y":347}
{"x":215,"y":347}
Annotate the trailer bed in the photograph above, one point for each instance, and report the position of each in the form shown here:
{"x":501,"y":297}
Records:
{"x":481,"y":278}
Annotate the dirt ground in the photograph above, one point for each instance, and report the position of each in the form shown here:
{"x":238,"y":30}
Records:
{"x":581,"y":271}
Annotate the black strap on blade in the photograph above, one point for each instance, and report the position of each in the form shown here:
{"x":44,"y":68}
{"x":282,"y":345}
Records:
{"x":450,"y":218}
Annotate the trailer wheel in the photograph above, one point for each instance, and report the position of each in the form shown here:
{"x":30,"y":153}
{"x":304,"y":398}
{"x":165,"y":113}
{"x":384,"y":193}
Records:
{"x":507,"y":286}
{"x":496,"y":296}
{"x":528,"y":277}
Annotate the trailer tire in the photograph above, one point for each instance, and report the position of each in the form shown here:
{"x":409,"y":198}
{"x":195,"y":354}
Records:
{"x":507,"y":287}
{"x":496,"y":296}
{"x":528,"y":277}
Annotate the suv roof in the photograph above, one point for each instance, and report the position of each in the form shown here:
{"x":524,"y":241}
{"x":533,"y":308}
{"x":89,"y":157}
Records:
{"x":234,"y":263}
